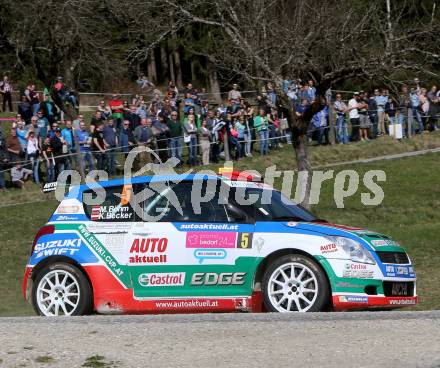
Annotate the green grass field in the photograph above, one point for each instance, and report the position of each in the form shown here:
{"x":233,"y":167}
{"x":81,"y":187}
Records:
{"x":409,"y":212}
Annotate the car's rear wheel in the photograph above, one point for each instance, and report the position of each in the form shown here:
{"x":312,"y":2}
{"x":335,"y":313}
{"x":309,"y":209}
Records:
{"x":61,"y":289}
{"x":295,"y":283}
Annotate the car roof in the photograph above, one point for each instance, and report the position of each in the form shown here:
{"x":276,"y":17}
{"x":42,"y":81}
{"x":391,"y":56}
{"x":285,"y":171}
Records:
{"x":146,"y":179}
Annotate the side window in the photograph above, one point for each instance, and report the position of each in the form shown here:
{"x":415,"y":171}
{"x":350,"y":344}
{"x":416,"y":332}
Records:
{"x":164,"y":206}
{"x":115,"y":207}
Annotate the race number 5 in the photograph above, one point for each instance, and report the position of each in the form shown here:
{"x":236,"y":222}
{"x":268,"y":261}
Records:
{"x":244,"y":240}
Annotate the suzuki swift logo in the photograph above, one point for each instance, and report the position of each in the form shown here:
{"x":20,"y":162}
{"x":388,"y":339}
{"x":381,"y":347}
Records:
{"x":211,"y":278}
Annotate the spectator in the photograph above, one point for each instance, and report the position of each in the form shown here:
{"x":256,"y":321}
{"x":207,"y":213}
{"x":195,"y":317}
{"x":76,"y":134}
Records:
{"x":311,"y":90}
{"x":111,"y":138}
{"x":84,"y":139}
{"x":188,"y":103}
{"x":13,"y":146}
{"x":116,"y":106}
{"x":25,"y":110}
{"x":99,"y":146}
{"x":353,"y":113}
{"x":416,"y":108}
{"x":33,"y":153}
{"x":21,"y":134}
{"x":190,"y":138}
{"x":247,"y":119}
{"x":176,"y":133}
{"x":433,"y":109}
{"x":261,"y":124}
{"x":162,"y":135}
{"x":104,"y":110}
{"x":49,"y":160}
{"x":77,"y":122}
{"x":404,"y":104}
{"x":6,"y":91}
{"x":144,"y":83}
{"x":381,"y":100}
{"x":34,"y":99}
{"x":43,"y":124}
{"x":390,"y":111}
{"x":59,"y":150}
{"x":96,"y":119}
{"x":144,"y":137}
{"x":271,"y":94}
{"x":320,"y":125}
{"x":126,"y":138}
{"x":142,"y":110}
{"x":234,"y":95}
{"x":67,"y":135}
{"x":19,"y":175}
{"x":217,"y":136}
{"x":372,"y":114}
{"x":304,"y":93}
{"x":240,"y":127}
{"x":364,"y":121}
{"x":172,"y":90}
{"x":133,"y":118}
{"x":341,"y":123}
{"x":49,"y":109}
{"x":205,"y":142}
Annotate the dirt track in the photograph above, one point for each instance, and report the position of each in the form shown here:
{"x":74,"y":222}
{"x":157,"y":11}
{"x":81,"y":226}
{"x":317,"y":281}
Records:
{"x":388,"y":339}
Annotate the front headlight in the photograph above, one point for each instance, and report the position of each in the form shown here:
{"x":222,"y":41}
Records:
{"x":354,"y":250}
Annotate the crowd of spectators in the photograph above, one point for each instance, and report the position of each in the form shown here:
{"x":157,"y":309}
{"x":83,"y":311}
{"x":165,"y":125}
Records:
{"x":184,"y":121}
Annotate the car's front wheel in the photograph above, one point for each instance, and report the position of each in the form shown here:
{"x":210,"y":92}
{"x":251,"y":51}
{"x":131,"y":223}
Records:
{"x":295,"y":283}
{"x":61,"y":289}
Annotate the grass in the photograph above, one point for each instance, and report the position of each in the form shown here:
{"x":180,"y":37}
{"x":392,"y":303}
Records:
{"x":44,"y":359}
{"x":97,"y":361}
{"x":409,"y":211}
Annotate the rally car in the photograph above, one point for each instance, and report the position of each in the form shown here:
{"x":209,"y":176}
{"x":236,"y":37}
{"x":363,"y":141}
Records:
{"x":150,"y":246}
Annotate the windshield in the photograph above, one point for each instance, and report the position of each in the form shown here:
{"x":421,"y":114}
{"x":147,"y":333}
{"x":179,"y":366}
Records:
{"x":272,"y":205}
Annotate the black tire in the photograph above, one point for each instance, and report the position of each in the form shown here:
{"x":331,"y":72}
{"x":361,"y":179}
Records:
{"x":294,"y":289}
{"x":84,"y":301}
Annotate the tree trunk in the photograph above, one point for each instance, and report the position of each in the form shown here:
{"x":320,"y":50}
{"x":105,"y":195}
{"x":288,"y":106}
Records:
{"x":164,"y":62}
{"x":171,"y":63}
{"x":299,"y":143}
{"x":331,"y":123}
{"x":67,"y":68}
{"x":214,"y":85}
{"x":151,"y":68}
{"x":179,"y":80}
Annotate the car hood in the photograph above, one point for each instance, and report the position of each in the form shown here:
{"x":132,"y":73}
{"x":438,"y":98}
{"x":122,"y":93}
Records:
{"x":377,"y":241}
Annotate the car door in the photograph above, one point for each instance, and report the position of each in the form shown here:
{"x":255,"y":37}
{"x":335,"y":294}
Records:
{"x":200,"y":248}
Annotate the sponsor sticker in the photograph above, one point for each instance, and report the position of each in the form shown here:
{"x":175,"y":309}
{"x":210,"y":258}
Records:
{"x":162,"y":279}
{"x":148,"y":250}
{"x":213,"y":278}
{"x":402,"y":301}
{"x":329,"y":248}
{"x":357,"y":270}
{"x":384,"y":242}
{"x":65,"y":244}
{"x":111,"y":213}
{"x":203,"y":254}
{"x":210,"y":240}
{"x":244,"y":240}
{"x":353,"y":299}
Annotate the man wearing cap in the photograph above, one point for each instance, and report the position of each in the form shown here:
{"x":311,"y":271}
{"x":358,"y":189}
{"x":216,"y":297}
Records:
{"x":353,"y":113}
{"x":381,"y":100}
{"x":117,"y":107}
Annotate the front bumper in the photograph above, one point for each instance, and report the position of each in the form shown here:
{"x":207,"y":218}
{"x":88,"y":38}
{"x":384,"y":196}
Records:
{"x":362,"y":301}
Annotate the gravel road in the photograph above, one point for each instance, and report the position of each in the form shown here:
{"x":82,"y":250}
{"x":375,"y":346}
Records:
{"x":366,"y":339}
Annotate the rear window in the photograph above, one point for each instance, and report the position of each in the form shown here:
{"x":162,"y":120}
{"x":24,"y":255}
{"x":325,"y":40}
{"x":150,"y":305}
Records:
{"x":115,"y":207}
